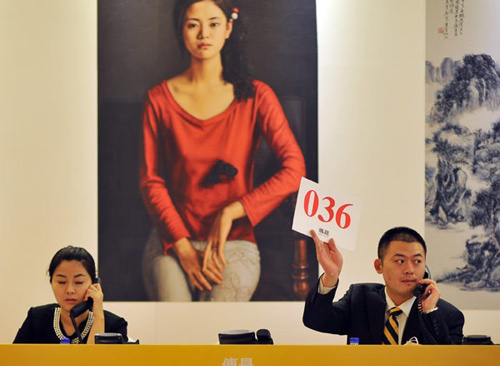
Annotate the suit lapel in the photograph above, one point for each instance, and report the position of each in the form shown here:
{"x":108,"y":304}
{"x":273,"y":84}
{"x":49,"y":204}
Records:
{"x":412,"y":327}
{"x":376,"y":314}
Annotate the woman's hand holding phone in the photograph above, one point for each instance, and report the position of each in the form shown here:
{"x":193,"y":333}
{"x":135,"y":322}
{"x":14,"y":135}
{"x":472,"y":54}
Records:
{"x":95,"y":292}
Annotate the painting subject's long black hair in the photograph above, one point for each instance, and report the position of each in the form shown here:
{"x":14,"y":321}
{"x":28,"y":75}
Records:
{"x":234,"y":61}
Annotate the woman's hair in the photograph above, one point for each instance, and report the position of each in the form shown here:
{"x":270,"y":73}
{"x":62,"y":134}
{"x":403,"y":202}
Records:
{"x":71,"y":253}
{"x":235,"y":69}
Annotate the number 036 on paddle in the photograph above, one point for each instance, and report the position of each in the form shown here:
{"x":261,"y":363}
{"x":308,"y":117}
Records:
{"x":330,"y":213}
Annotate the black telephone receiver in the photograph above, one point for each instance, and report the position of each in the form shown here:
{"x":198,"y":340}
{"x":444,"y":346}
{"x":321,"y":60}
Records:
{"x":82,"y":307}
{"x":419,"y":294}
{"x":79,"y":309}
{"x":420,"y":288}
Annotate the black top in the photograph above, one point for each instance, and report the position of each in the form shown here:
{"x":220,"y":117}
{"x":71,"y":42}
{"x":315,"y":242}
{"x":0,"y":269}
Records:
{"x":39,"y":326}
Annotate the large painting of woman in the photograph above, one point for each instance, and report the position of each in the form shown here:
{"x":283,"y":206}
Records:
{"x":202,"y":128}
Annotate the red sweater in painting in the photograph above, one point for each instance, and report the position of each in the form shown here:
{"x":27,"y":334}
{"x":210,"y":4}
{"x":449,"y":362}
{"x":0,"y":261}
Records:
{"x":179,"y":150}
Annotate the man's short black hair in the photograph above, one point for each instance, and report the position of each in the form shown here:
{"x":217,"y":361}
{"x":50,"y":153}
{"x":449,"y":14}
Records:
{"x":401,"y":233}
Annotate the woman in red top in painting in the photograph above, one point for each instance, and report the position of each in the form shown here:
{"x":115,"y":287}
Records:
{"x":201,"y":130}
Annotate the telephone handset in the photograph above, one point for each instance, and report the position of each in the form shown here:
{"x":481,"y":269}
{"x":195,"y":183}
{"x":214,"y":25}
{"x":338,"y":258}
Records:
{"x":79,"y":309}
{"x":82,"y":307}
{"x":419,"y":292}
{"x":420,"y":288}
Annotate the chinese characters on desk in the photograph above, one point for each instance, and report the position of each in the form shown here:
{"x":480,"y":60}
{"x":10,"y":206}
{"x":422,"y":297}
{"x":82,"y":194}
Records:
{"x":234,"y":362}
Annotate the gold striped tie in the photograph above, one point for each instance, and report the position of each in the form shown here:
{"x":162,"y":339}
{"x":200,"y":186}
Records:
{"x":391,"y":329}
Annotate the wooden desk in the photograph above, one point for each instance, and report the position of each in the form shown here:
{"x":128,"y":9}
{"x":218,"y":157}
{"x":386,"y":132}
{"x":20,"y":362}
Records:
{"x":138,"y":355}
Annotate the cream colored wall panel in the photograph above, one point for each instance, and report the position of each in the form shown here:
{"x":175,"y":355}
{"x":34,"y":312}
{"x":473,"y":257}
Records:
{"x":48,"y":139}
{"x":371,"y":144}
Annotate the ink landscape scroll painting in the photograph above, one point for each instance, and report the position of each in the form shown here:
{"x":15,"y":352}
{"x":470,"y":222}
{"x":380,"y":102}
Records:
{"x":462,"y":139}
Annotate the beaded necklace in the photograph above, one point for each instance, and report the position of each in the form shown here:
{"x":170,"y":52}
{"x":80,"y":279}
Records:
{"x":57,"y":328}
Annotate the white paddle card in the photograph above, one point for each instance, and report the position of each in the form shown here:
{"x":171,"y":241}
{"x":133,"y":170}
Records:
{"x":330,"y":213}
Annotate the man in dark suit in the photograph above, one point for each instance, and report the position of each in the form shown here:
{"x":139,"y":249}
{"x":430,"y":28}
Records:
{"x":378,"y":314}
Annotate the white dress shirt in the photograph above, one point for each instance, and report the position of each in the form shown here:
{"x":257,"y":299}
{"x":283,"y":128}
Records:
{"x":405,"y":307}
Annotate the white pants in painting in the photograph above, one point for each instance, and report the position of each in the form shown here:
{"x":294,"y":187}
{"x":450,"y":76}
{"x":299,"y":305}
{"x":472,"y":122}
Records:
{"x":165,"y":280}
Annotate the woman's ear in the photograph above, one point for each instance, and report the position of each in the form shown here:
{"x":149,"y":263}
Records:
{"x":229,"y":28}
{"x":378,"y":265}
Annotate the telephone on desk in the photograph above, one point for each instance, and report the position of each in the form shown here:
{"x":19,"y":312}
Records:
{"x":241,"y":336}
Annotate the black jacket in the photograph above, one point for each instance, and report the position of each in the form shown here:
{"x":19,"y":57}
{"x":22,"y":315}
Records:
{"x":361,"y":313}
{"x":38,"y":326}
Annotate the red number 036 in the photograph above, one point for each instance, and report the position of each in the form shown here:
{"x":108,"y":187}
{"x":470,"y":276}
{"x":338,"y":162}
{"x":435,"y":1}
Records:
{"x":311,"y":209}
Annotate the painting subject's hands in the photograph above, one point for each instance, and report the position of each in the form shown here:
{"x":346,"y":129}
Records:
{"x":190,"y":260}
{"x":214,"y":258}
{"x":330,"y":258}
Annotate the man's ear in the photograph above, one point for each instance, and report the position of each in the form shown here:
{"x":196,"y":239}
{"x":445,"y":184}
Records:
{"x":378,"y":265}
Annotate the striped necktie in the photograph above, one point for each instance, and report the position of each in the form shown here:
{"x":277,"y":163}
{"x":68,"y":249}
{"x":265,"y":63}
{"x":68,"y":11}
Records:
{"x":391,"y":329}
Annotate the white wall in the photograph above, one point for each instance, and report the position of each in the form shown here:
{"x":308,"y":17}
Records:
{"x":371,"y":143}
